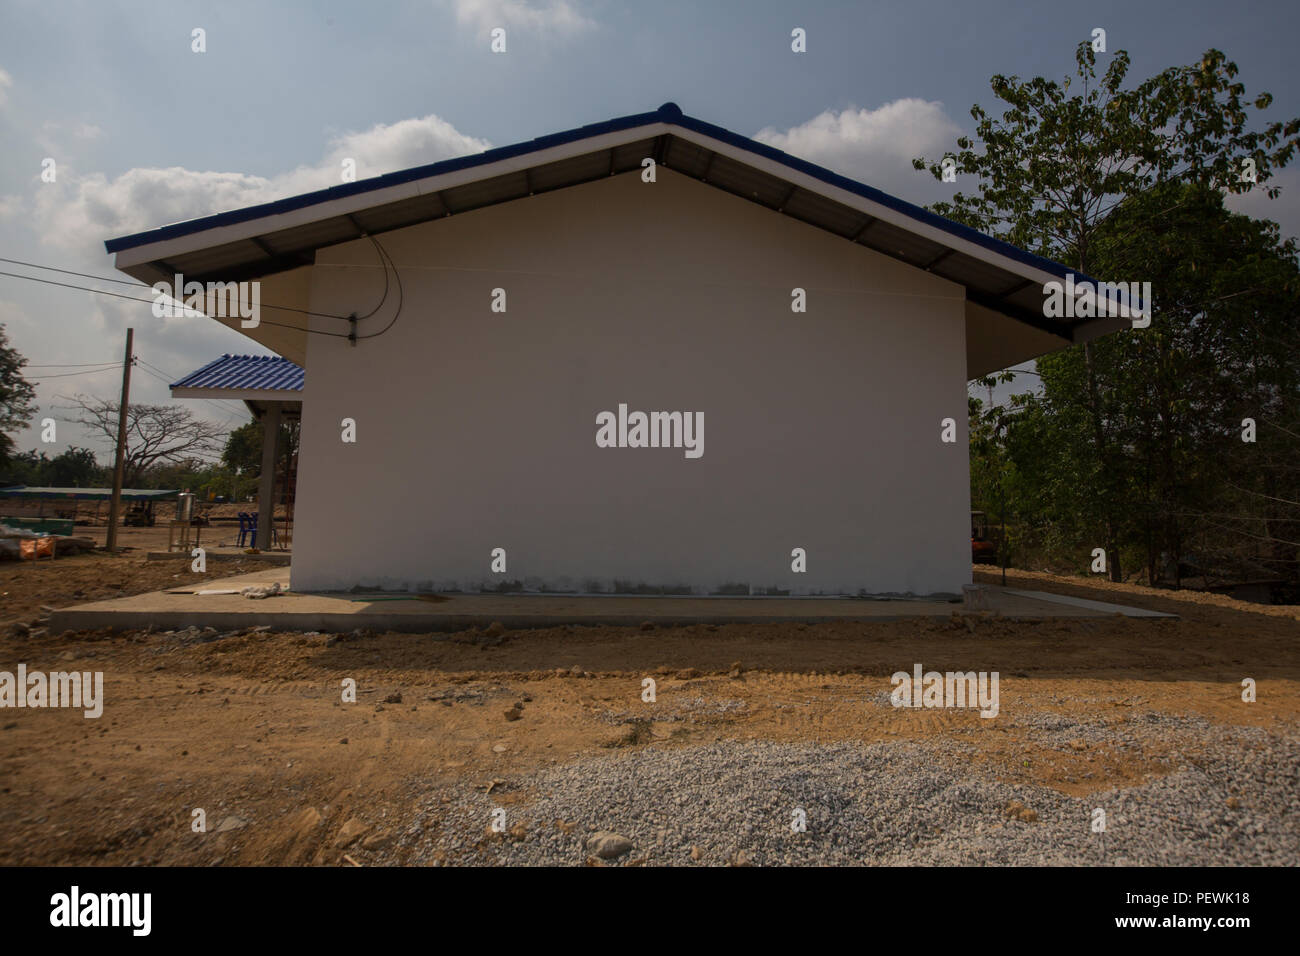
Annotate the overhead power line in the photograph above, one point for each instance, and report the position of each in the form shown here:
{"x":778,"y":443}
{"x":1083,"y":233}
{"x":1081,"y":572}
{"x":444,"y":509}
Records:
{"x":67,"y":364}
{"x":384,"y":261}
{"x":135,"y":298}
{"x":106,"y":368}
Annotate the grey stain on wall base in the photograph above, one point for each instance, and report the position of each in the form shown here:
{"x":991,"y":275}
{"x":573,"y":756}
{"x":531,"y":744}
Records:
{"x":618,"y":587}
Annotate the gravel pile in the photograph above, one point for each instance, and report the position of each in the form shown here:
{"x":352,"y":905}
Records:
{"x":678,"y":709}
{"x":1236,"y":803}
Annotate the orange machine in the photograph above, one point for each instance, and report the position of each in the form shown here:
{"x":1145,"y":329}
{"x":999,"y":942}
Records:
{"x":982,"y":549}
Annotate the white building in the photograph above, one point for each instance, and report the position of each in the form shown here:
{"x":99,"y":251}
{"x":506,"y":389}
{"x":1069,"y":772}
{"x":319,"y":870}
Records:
{"x":476,"y":428}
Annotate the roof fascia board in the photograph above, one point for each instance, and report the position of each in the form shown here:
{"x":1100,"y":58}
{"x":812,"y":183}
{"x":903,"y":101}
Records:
{"x":239,"y":394}
{"x":247,"y":230}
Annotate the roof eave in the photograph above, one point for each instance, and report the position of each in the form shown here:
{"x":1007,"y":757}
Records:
{"x":277,"y":237}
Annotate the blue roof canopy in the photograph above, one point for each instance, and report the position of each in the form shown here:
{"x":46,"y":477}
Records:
{"x":246,"y":373}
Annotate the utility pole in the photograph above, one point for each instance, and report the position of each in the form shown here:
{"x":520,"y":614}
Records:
{"x":115,"y":506}
{"x":1002,"y":489}
{"x":1002,"y":542}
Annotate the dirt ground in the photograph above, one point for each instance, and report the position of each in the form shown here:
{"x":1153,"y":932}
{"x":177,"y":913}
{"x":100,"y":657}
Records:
{"x":27,"y":586}
{"x":133,"y":542}
{"x":252,"y":728}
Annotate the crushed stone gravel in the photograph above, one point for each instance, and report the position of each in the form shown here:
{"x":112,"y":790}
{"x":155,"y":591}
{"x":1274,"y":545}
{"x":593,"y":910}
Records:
{"x":1232,"y":798}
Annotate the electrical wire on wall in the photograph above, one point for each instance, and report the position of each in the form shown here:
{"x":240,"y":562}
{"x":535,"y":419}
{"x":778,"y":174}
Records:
{"x":400,"y":294}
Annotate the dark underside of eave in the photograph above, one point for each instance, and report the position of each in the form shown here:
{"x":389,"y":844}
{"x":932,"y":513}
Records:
{"x":247,"y":259}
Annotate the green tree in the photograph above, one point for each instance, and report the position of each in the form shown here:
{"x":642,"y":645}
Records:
{"x":1223,"y":347}
{"x":17,"y":397}
{"x":1055,"y":166}
{"x":243,"y":451}
{"x":75,"y":468}
{"x":22,"y":468}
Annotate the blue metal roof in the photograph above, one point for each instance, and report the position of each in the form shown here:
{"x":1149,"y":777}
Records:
{"x":668,"y":113}
{"x":261,"y":372}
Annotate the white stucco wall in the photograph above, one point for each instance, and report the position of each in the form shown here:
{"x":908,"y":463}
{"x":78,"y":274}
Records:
{"x":477,"y":430}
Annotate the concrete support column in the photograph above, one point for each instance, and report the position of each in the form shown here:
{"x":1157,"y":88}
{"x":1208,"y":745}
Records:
{"x":266,"y":483}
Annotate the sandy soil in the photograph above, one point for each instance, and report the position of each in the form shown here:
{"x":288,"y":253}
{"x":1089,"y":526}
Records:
{"x":252,"y":728}
{"x":26,"y":586}
{"x":132,"y":542}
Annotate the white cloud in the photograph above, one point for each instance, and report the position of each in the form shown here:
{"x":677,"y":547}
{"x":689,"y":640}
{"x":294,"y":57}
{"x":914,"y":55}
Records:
{"x":78,"y":212}
{"x":383,"y":149}
{"x":6,"y":81}
{"x":81,"y":210}
{"x":558,"y":16}
{"x":875,"y":147}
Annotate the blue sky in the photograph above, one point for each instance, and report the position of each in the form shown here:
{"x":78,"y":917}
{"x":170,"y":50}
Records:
{"x":145,"y":131}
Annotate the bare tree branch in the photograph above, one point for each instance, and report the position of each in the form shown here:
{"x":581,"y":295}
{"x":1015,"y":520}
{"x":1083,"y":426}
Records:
{"x":155,"y":433}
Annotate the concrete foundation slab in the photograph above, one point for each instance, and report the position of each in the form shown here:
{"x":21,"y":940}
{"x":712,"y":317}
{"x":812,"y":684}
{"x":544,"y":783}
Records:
{"x":1100,"y":606}
{"x":219,"y":557}
{"x":335,"y":612}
